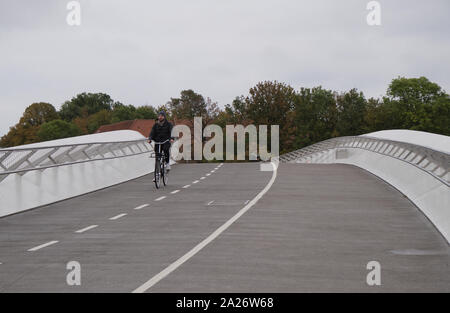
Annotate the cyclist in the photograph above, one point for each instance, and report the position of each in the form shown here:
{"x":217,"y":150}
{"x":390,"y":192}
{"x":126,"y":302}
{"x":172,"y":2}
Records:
{"x":162,"y":131}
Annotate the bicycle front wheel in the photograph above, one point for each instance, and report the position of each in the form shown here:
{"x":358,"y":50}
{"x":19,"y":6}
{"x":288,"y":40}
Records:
{"x":157,"y":174}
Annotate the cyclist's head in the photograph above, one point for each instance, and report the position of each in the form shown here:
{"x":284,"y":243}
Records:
{"x":161,"y":116}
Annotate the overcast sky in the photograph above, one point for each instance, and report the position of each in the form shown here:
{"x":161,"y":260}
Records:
{"x":144,"y":52}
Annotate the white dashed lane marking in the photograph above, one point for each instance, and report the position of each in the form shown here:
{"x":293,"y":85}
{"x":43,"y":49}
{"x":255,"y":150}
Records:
{"x":80,"y":231}
{"x":43,"y":246}
{"x":142,"y":206}
{"x":117,"y":216}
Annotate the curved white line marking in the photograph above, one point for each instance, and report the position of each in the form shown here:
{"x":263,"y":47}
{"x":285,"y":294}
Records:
{"x":155,"y":279}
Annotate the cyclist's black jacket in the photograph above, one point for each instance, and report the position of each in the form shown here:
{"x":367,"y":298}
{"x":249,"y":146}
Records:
{"x":162,"y":132}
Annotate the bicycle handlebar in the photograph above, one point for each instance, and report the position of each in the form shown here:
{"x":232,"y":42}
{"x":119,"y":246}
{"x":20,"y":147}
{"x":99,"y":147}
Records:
{"x":161,"y":143}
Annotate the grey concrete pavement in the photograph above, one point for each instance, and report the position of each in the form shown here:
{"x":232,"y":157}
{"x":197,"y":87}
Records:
{"x":315,"y":230}
{"x":118,"y":255}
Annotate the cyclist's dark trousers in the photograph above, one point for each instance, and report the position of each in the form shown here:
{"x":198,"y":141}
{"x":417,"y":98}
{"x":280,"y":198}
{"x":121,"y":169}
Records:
{"x":166,"y":149}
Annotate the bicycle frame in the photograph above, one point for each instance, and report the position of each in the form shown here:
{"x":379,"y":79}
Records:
{"x":160,"y":171}
{"x":156,"y":154}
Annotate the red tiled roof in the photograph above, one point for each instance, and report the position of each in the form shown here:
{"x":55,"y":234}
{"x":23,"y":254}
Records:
{"x":142,"y":126}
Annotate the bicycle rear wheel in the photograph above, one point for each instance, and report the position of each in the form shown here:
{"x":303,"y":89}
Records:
{"x":157,"y":173}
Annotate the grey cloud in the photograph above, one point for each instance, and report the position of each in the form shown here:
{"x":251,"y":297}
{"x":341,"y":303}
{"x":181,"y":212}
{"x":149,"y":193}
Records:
{"x":144,"y":52}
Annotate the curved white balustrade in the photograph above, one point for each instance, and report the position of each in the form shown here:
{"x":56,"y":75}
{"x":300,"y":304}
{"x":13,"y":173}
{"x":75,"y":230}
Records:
{"x":429,"y":140}
{"x":420,"y":168}
{"x":40,"y":174}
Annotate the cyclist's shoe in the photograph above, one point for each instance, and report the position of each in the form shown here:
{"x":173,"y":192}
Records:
{"x":168,"y":166}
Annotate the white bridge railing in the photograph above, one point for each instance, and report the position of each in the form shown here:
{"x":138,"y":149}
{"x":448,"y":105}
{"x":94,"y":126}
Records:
{"x":36,"y":175}
{"x":22,"y":160}
{"x":435,"y":163}
{"x":420,"y":173}
{"x":39,"y":174}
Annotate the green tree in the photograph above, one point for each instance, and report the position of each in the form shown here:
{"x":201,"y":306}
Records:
{"x":38,"y":114}
{"x":57,"y":129}
{"x":412,"y":100}
{"x":224,"y":118}
{"x":411,"y":91}
{"x":440,"y":116}
{"x":189,"y":105}
{"x":374,"y":119}
{"x":352,"y":107}
{"x":269,"y":102}
{"x":146,"y":112}
{"x":82,"y":124}
{"x":19,"y":135}
{"x":123,"y":113}
{"x":25,"y":132}
{"x":104,"y":117}
{"x":212,"y":112}
{"x":85,"y":104}
{"x":237,"y":112}
{"x":7,"y":140}
{"x":316,"y":116}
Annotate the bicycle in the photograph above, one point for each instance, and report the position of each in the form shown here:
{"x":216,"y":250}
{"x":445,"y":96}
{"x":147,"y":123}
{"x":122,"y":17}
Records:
{"x":160,"y":165}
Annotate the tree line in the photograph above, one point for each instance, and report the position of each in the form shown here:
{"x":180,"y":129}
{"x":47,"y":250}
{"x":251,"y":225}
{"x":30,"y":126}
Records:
{"x":81,"y":115}
{"x":305,"y":115}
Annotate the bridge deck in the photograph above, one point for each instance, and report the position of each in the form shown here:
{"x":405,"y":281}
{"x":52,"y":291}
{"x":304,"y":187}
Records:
{"x":314,"y":230}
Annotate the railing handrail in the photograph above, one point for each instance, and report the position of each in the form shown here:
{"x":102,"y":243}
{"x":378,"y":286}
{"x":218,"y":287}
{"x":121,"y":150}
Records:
{"x":26,"y":159}
{"x":70,"y":145}
{"x":403,"y":151}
